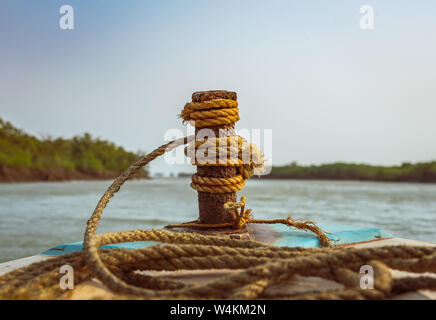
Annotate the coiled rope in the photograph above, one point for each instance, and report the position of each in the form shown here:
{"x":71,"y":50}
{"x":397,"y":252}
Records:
{"x":231,"y":151}
{"x":216,"y":112}
{"x":262,"y":265}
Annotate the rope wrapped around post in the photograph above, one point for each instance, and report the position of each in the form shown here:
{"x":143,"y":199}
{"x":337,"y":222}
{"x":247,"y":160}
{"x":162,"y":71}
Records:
{"x":233,"y":151}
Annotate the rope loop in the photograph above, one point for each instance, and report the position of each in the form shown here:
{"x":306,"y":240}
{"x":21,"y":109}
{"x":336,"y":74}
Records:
{"x":211,"y":113}
{"x":232,"y":151}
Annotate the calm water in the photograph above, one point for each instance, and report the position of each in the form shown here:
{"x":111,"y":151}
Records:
{"x":37,"y":216}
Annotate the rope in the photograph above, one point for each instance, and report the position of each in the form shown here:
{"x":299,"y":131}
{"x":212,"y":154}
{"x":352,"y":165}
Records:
{"x":211,"y":113}
{"x":220,"y":151}
{"x":243,"y":217}
{"x":262,"y":265}
{"x":217,"y":185}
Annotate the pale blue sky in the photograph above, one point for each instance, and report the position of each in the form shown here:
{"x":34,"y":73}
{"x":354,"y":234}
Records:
{"x":328,"y":90}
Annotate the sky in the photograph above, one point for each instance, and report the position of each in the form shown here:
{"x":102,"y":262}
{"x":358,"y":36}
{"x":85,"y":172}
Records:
{"x":327,"y":89}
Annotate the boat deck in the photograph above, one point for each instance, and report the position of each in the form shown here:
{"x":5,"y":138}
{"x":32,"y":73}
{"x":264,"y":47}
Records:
{"x":93,"y":289}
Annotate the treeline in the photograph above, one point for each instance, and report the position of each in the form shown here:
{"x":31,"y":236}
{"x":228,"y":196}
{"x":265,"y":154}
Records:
{"x":81,"y":153}
{"x":407,"y":172}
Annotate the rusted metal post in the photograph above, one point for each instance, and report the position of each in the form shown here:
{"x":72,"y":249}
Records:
{"x":210,"y":205}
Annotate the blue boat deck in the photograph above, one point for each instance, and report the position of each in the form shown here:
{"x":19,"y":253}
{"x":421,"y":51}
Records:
{"x":290,"y":237}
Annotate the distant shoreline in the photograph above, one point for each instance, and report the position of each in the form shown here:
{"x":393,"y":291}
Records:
{"x":407,"y":172}
{"x":16,"y":174}
{"x":285,"y":177}
{"x":25,"y":158}
{"x":424,"y":172}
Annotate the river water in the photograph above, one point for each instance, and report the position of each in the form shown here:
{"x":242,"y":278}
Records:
{"x":37,"y":216}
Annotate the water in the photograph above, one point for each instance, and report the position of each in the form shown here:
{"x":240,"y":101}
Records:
{"x":37,"y":216}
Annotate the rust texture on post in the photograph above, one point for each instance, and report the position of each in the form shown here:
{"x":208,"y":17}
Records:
{"x":210,"y":205}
